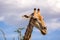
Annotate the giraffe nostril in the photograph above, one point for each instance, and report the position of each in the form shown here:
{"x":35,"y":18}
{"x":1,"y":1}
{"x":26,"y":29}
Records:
{"x":44,"y":28}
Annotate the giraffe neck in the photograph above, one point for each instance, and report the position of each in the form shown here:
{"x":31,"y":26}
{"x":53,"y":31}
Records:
{"x":28,"y":32}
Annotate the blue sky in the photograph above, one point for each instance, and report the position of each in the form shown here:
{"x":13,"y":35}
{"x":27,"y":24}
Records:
{"x":11,"y":12}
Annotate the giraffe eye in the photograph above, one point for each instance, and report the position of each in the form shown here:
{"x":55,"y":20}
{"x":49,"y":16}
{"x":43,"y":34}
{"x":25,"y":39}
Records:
{"x":35,"y":19}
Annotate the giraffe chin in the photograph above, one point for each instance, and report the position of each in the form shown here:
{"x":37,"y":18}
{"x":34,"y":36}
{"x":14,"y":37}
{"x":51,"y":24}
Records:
{"x":43,"y":32}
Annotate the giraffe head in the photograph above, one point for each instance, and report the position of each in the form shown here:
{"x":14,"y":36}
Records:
{"x":37,"y":21}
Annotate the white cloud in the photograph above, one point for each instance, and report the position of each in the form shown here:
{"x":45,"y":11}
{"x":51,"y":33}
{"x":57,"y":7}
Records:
{"x":53,"y":24}
{"x":21,"y":3}
{"x":54,"y":4}
{"x":1,"y":18}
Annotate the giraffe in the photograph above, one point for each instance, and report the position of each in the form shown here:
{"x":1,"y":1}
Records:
{"x":36,"y":20}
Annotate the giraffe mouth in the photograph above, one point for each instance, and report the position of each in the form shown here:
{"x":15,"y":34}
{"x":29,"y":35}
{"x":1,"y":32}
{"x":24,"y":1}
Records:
{"x":44,"y":31}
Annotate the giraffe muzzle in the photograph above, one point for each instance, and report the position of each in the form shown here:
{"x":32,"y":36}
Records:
{"x":44,"y":31}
